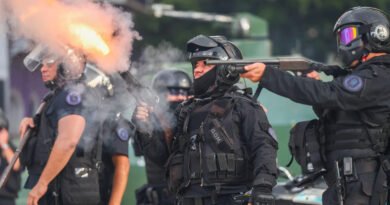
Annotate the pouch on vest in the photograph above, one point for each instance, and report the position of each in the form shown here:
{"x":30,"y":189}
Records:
{"x":26,"y":156}
{"x":79,"y":183}
{"x":175,"y":172}
{"x":28,"y":152}
{"x":304,"y":145}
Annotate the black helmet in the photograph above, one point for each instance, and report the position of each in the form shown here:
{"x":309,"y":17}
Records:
{"x":211,"y":47}
{"x":3,"y":120}
{"x":214,"y":47}
{"x":167,"y":79}
{"x":362,"y":30}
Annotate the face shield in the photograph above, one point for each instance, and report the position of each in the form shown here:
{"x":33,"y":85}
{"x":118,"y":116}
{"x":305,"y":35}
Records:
{"x":38,"y":57}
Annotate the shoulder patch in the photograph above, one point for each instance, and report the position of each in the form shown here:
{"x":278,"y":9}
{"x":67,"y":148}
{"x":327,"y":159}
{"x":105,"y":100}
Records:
{"x":122,"y":133}
{"x":353,"y":83}
{"x":73,"y":98}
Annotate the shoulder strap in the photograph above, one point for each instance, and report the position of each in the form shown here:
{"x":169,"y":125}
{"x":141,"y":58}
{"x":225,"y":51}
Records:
{"x":99,"y":149}
{"x":221,"y":107}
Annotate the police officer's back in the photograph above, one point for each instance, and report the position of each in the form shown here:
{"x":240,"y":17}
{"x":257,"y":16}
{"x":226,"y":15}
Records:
{"x":353,"y":109}
{"x":223,"y":144}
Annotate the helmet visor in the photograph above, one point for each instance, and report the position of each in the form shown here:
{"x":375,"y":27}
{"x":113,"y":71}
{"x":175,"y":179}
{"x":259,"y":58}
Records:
{"x":346,"y":35}
{"x":178,"y":91}
{"x":38,"y":57}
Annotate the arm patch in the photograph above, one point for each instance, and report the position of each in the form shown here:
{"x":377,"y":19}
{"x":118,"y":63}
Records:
{"x":353,"y":83}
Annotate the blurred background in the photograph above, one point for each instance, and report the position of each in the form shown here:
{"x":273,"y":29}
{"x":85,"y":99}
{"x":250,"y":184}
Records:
{"x":260,"y":28}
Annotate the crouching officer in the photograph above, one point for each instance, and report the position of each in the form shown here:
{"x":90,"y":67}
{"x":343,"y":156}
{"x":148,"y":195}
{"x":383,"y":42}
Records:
{"x":223,"y":144}
{"x":60,"y":171}
{"x":172,"y":87}
{"x":353,"y":109}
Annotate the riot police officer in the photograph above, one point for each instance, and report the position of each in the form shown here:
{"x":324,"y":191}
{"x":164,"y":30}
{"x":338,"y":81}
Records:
{"x":172,"y":88}
{"x":353,"y":109}
{"x":9,"y":192}
{"x":60,"y":171}
{"x":223,"y":143}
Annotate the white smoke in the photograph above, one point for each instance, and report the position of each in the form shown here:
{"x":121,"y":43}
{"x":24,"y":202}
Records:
{"x":161,"y":57}
{"x":52,"y":22}
{"x":154,"y":59}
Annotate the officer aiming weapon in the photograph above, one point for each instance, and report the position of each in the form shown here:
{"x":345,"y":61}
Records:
{"x":294,"y":64}
{"x":339,"y":186}
{"x":22,"y":143}
{"x":297,"y":65}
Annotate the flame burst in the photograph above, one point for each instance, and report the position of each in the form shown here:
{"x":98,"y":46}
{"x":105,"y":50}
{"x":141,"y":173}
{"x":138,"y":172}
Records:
{"x":89,"y":39}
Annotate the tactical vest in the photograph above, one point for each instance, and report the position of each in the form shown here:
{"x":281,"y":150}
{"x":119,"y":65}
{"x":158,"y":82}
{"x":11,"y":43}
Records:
{"x":78,"y":182}
{"x":213,"y":155}
{"x":346,"y":131}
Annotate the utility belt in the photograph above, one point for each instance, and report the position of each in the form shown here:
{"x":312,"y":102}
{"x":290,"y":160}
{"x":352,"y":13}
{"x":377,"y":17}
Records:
{"x":349,"y":174}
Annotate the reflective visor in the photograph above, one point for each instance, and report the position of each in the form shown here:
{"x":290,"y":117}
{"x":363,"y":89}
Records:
{"x":347,"y":35}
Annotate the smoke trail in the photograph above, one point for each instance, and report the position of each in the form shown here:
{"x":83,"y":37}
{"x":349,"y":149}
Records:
{"x":101,"y":32}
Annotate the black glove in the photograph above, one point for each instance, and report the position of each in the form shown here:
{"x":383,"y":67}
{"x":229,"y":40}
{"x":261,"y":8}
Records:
{"x":262,"y":195}
{"x":333,"y":70}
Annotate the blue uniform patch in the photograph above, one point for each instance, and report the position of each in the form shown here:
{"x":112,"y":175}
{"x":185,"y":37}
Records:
{"x":122,"y":133}
{"x":353,"y":83}
{"x":73,"y":98}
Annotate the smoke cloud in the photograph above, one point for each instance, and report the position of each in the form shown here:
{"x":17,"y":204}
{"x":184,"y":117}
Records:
{"x":161,"y":57}
{"x":98,"y":31}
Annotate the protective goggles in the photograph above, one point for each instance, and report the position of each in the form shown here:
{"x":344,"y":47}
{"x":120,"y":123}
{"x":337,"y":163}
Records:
{"x":348,"y":34}
{"x":178,"y":91}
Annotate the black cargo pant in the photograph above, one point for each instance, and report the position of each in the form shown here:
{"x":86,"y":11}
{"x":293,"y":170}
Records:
{"x":359,"y":188}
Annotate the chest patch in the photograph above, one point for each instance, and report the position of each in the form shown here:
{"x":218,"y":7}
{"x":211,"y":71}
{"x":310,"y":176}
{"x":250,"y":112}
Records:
{"x":353,"y":83}
{"x":122,"y":134}
{"x":73,"y":98}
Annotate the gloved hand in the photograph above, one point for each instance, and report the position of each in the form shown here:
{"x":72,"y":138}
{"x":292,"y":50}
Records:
{"x":333,"y":70}
{"x":262,"y":195}
{"x":141,"y":118}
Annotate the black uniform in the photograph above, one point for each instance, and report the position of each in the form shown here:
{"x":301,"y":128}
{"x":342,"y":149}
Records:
{"x":78,"y":181}
{"x":355,"y":113}
{"x":224,"y":145}
{"x":9,"y":192}
{"x":115,"y":141}
{"x":152,"y":145}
